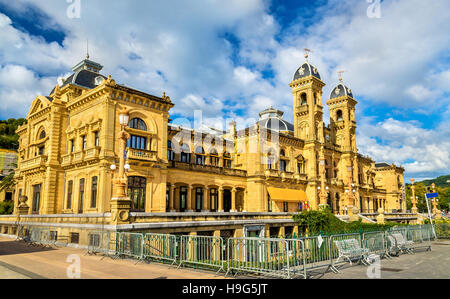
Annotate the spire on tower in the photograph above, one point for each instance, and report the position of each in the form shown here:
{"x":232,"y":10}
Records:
{"x":307,"y":51}
{"x":340,"y":73}
{"x":87,"y":48}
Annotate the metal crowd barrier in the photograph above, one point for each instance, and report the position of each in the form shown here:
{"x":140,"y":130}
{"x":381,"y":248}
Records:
{"x":202,"y":251}
{"x":129,"y":245}
{"x":376,"y":243}
{"x":270,"y":257}
{"x":413,"y":237}
{"x":99,"y":242}
{"x":353,"y":250}
{"x":317,"y":253}
{"x":160,"y":247}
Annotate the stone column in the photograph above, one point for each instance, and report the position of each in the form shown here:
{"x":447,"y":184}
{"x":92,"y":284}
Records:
{"x":233,"y":200}
{"x":189,"y":199}
{"x":413,"y":199}
{"x":172,"y":198}
{"x":206,"y":207}
{"x":220,"y":208}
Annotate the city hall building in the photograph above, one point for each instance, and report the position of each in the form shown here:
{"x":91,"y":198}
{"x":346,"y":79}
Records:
{"x":238,"y":182}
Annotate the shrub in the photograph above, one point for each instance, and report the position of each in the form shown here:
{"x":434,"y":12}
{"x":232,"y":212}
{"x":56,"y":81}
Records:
{"x":324,"y":222}
{"x":6,"y":207}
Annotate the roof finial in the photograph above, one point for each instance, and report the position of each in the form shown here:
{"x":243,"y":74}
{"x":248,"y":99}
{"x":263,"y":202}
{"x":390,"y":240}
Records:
{"x":340,"y":75}
{"x":307,"y":51}
{"x":87,"y":48}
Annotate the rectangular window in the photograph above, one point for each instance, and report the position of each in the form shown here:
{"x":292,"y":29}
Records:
{"x":214,"y":197}
{"x":285,"y":207}
{"x":74,"y":238}
{"x":96,"y":139}
{"x":283,"y":165}
{"x":69,"y":195}
{"x":227,"y":163}
{"x":72,"y":146}
{"x":185,"y":157}
{"x":183,"y":198}
{"x":198,"y":199}
{"x":81,"y":197}
{"x":137,"y":142}
{"x":83,"y":142}
{"x":94,"y":192}
{"x":36,"y":198}
{"x":41,"y":150}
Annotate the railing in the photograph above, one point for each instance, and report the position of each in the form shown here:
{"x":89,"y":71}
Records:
{"x":137,"y":154}
{"x":160,"y":247}
{"x":271,"y":257}
{"x":129,"y":245}
{"x":36,"y":162}
{"x":202,"y":251}
{"x":99,"y":242}
{"x":208,"y":168}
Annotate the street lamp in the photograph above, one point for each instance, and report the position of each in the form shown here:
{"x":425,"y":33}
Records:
{"x":120,"y":182}
{"x":413,"y":198}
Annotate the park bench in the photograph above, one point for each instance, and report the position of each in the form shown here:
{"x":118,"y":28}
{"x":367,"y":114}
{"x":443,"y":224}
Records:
{"x":351,"y":249}
{"x":402,"y":244}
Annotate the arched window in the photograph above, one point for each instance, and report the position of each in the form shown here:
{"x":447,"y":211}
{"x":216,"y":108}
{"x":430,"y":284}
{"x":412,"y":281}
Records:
{"x":185,"y":155}
{"x":138,"y":124}
{"x":42,"y":135}
{"x":199,"y":155}
{"x":301,"y":164}
{"x":227,"y":160}
{"x":303,"y":100}
{"x":339,"y":116}
{"x":282,"y":153}
{"x":214,"y":157}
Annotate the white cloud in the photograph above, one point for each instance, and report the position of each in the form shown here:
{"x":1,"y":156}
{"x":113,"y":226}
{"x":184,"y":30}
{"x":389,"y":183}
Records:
{"x":180,"y":47}
{"x":419,"y":150}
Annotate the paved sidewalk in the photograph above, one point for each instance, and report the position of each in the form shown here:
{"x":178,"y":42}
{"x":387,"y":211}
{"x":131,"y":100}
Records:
{"x":18,"y":260}
{"x":434,"y":264}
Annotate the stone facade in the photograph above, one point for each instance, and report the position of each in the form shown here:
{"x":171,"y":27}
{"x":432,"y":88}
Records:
{"x":208,"y":180}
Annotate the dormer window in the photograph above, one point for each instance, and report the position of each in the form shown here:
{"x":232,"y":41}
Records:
{"x":99,"y":80}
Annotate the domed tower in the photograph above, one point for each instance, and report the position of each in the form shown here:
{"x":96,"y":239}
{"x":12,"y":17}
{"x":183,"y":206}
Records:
{"x":308,"y":111}
{"x":342,"y":117}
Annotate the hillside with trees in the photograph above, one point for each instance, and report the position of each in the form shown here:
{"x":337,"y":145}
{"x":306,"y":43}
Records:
{"x":8,"y":137}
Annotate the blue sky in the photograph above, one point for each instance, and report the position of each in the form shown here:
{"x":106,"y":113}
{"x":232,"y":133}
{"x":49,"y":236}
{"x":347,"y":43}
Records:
{"x":235,"y":58}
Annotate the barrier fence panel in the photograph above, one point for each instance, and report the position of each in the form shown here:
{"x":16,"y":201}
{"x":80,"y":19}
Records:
{"x":296,"y":256}
{"x":347,"y":247}
{"x":129,"y":245}
{"x":420,"y":237}
{"x":99,"y":242}
{"x":160,"y":247}
{"x":259,"y":256}
{"x":317,"y":253}
{"x":375,"y":243}
{"x":203,"y":251}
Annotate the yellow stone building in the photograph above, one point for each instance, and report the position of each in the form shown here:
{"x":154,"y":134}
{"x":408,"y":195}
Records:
{"x":230,"y":183}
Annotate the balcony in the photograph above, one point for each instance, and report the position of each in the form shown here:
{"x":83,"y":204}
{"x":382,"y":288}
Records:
{"x":208,"y":168}
{"x":141,"y":155}
{"x":37,"y":162}
{"x":337,"y":182}
{"x":92,"y":154}
{"x":302,"y":109}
